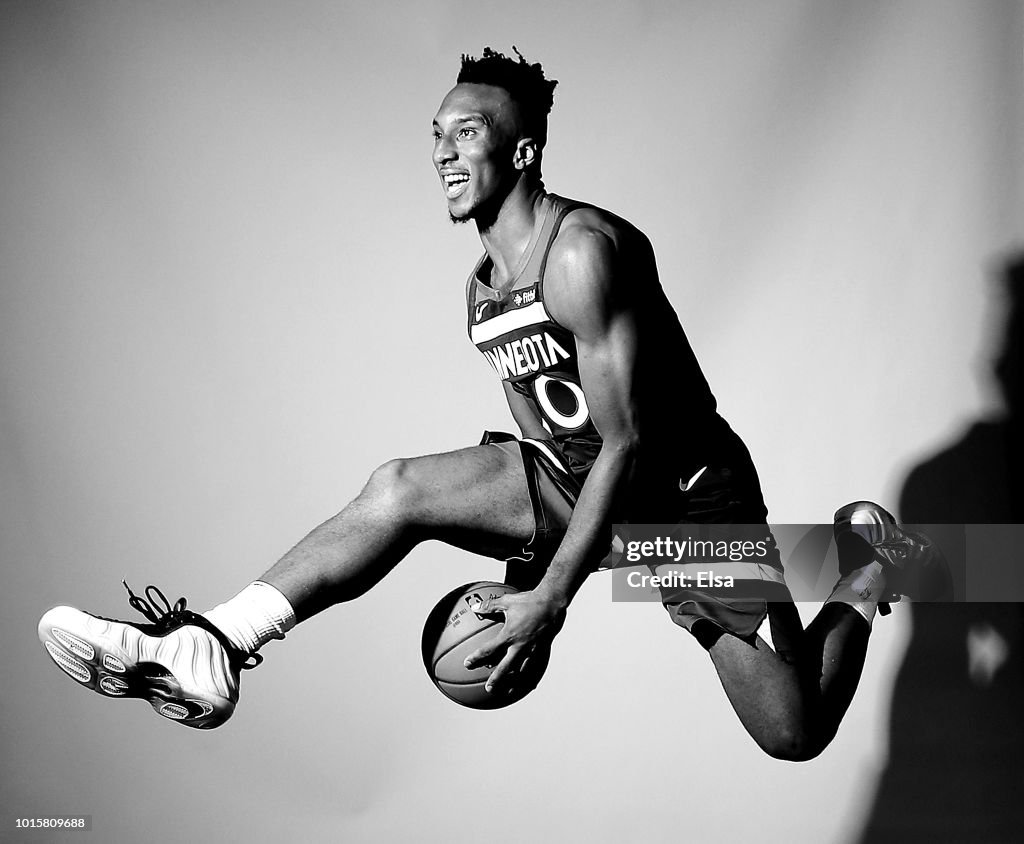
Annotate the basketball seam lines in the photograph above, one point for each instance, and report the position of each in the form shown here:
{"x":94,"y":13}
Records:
{"x":433,"y":665}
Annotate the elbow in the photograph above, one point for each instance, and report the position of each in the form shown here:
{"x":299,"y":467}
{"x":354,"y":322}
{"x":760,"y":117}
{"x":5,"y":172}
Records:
{"x":624,"y":446}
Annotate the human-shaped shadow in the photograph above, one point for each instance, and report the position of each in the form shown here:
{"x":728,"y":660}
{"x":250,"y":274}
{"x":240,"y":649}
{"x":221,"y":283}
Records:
{"x":956,"y":762}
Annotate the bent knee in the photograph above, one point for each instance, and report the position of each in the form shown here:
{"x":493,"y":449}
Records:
{"x":395,"y":487}
{"x":792,"y":745}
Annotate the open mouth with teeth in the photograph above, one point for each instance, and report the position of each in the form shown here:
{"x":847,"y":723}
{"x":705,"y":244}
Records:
{"x":455,"y":184}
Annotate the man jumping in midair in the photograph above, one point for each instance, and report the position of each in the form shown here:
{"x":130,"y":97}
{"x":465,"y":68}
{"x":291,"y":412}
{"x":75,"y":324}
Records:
{"x":567,"y":308}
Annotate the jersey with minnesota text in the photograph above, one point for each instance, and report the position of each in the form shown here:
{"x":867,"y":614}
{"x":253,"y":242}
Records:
{"x":527,"y":348}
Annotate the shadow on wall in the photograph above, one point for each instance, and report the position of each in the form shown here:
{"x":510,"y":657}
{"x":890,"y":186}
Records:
{"x":956,"y":758}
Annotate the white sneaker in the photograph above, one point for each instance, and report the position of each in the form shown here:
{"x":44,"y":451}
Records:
{"x":181,"y":663}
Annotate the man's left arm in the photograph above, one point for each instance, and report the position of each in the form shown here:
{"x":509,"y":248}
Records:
{"x":583,"y":292}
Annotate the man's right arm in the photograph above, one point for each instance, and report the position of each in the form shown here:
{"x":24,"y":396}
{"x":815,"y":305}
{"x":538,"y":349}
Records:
{"x":523,"y":412}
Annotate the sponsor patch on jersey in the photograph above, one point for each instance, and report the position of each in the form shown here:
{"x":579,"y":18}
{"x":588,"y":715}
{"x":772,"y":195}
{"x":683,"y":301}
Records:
{"x":525,"y":297}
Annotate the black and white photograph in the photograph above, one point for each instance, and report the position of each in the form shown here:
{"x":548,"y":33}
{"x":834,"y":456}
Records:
{"x":713,"y":537}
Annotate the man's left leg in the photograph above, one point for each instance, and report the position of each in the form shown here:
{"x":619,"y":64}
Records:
{"x":792,"y":699}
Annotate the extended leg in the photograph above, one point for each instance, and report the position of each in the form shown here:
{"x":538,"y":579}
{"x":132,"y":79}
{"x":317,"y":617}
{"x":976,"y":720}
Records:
{"x":187,"y":665}
{"x":475,"y":498}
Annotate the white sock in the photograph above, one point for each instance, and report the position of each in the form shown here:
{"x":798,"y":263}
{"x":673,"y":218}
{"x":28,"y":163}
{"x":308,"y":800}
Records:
{"x":253,"y":617}
{"x":861,"y":589}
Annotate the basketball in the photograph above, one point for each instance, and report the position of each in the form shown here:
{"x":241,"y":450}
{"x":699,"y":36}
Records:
{"x":453,"y":631}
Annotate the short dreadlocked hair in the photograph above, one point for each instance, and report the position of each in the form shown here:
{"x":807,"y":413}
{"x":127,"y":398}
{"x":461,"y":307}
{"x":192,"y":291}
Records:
{"x":524,"y":82}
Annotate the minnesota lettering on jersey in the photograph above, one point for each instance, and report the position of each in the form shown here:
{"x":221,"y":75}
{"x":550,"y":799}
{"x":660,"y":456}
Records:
{"x":526,"y":347}
{"x":525,"y":355}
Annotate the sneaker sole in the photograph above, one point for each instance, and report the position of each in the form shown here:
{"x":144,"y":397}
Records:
{"x":97,"y":655}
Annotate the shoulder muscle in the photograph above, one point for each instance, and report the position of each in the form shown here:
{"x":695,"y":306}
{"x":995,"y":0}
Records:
{"x":581,"y":288}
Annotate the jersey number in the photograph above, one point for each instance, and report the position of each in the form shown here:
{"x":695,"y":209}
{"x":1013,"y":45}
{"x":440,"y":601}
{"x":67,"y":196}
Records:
{"x":551,"y":390}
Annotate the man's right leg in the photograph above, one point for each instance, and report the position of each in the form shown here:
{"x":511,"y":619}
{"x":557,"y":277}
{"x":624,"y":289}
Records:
{"x":187,"y":667}
{"x":475,"y":498}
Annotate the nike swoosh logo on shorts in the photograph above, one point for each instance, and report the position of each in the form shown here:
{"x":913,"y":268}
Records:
{"x":689,"y":484}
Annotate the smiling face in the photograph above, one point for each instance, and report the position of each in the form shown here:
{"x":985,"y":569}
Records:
{"x":479,"y":149}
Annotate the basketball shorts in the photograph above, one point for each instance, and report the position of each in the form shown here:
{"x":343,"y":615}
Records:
{"x":725,"y":491}
{"x":553,"y":492}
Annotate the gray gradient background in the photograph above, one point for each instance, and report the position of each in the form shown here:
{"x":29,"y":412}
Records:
{"x":228,"y":290}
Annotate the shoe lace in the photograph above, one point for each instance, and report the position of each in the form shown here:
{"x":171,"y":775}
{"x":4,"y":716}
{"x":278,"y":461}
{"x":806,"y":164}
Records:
{"x":171,"y":614}
{"x":150,"y":608}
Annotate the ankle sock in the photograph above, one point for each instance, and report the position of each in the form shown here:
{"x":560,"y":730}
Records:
{"x":861,"y":589}
{"x":253,"y":617}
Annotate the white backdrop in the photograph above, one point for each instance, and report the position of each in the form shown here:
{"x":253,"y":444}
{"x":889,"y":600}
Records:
{"x":228,"y":290}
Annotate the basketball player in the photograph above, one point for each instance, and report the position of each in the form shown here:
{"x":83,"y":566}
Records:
{"x":566,"y":306}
